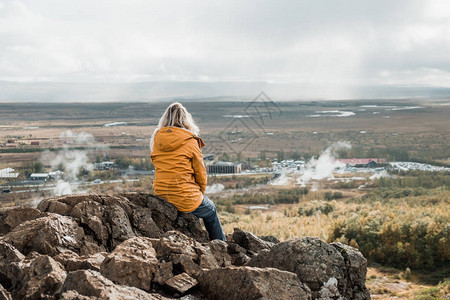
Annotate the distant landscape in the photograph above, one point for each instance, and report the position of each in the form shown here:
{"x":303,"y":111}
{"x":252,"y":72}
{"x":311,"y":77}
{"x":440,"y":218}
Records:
{"x":292,"y":183}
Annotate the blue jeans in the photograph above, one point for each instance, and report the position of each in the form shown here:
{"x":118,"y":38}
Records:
{"x":207,"y":211}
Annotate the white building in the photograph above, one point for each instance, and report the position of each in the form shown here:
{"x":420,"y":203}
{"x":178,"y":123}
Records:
{"x":8,"y":173}
{"x":39,"y":176}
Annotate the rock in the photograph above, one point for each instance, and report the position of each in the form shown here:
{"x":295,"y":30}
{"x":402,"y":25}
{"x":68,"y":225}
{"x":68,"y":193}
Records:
{"x":120,"y":225}
{"x":181,"y":283}
{"x":330,"y":290}
{"x":313,"y":260}
{"x":73,"y":295}
{"x":186,"y":254}
{"x":39,"y":278}
{"x":134,"y":263}
{"x":269,"y":238}
{"x":167,"y":218}
{"x":238,"y":254}
{"x":134,"y":245}
{"x":251,"y":283}
{"x":72,"y":262}
{"x":356,"y":270}
{"x":219,"y":250}
{"x":49,"y":235}
{"x":90,"y":214}
{"x":8,"y":255}
{"x":111,"y":220}
{"x":10,"y":217}
{"x":249,"y":241}
{"x":90,"y":283}
{"x":142,"y":221}
{"x":4,"y":294}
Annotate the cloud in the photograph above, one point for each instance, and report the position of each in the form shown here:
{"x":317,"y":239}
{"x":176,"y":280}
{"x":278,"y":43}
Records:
{"x":321,"y":44}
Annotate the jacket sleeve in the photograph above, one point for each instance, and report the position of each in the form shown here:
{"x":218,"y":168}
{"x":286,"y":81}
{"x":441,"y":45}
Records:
{"x":199,"y":167}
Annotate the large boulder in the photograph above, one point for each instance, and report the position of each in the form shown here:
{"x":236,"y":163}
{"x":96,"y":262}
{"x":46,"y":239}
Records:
{"x":187,"y":254}
{"x":11,"y":217}
{"x":165,"y":216}
{"x":313,"y":260}
{"x":112,"y":220}
{"x":356,"y":271}
{"x":251,"y":283}
{"x":72,"y":261}
{"x":134,"y":263}
{"x":38,"y":278}
{"x":8,"y":256}
{"x":50,"y":235}
{"x":89,"y":284}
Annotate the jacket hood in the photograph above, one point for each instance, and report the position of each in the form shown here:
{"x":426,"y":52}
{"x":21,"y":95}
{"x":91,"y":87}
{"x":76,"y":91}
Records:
{"x":171,"y":138}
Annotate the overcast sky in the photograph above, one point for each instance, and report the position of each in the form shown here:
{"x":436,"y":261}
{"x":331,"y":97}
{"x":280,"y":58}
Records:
{"x":308,"y":42}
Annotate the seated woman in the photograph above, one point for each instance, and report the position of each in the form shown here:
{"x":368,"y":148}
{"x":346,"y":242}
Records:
{"x":180,"y":175}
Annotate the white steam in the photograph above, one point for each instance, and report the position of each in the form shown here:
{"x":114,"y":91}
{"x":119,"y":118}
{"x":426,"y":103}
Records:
{"x":83,"y":138}
{"x":323,"y":167}
{"x":62,"y":188}
{"x":72,"y":162}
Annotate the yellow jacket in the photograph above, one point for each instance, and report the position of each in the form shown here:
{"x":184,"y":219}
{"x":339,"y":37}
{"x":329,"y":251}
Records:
{"x":180,"y":175}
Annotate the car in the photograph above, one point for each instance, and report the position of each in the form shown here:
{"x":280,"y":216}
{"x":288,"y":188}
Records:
{"x":97,"y":180}
{"x":4,"y":191}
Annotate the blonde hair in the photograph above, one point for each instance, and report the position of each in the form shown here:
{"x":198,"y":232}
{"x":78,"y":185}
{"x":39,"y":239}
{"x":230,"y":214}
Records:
{"x":176,"y":115}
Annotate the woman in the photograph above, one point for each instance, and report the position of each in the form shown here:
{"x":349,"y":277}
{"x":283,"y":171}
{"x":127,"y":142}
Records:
{"x":180,"y":175}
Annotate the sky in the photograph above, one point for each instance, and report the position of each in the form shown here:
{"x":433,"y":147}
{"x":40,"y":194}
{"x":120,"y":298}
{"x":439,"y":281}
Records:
{"x":327,"y":46}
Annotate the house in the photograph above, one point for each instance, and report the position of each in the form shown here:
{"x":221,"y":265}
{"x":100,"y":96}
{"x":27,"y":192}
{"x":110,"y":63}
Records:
{"x":55,"y":174}
{"x":11,"y":145}
{"x":105,"y":165}
{"x":34,"y":143}
{"x":8,"y":173}
{"x":39,"y":176}
{"x":362,"y":162}
{"x":222,"y":167}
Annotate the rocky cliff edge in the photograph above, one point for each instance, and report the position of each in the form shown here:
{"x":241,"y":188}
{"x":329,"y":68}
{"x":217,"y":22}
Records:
{"x":138,"y":246}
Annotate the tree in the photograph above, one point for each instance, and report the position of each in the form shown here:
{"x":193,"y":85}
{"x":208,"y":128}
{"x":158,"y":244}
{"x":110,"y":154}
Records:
{"x":280,"y":155}
{"x":38,"y":167}
{"x":262,"y":155}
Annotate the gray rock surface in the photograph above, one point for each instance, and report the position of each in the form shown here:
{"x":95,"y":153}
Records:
{"x":314,"y":262}
{"x":252,"y":283}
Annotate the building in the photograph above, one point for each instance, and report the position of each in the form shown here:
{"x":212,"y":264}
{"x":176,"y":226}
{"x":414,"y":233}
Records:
{"x":8,"y":173}
{"x":105,"y":165}
{"x":222,"y":167}
{"x":55,"y":175}
{"x":362,"y":162}
{"x":39,"y":176}
{"x":34,"y":143}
